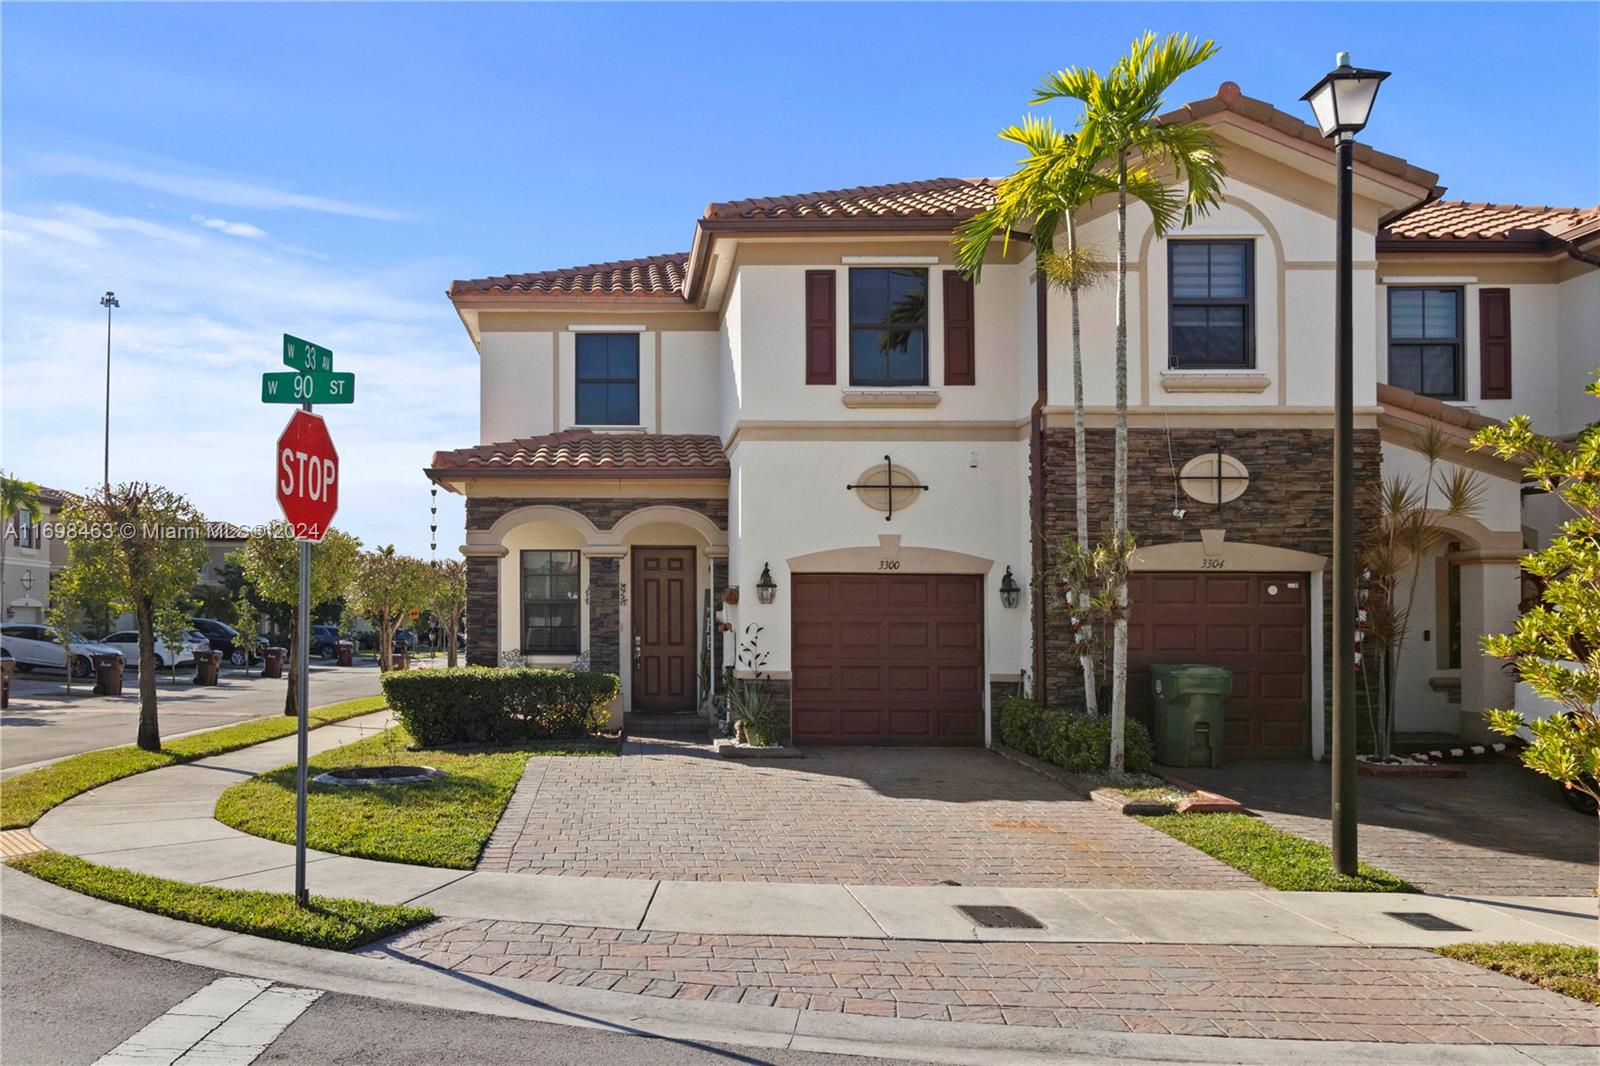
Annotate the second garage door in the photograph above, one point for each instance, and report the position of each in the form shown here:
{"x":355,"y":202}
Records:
{"x":887,"y":659}
{"x":1254,"y":625}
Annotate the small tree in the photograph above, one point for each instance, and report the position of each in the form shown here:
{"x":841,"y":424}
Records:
{"x":384,"y":589}
{"x":172,"y":626}
{"x":270,"y":560}
{"x":1555,"y":646}
{"x":71,"y":597}
{"x":147,"y":547}
{"x":449,"y":602}
{"x":244,"y":620}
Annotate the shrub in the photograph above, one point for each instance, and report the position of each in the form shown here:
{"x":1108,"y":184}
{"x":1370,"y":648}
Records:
{"x":1076,"y":743}
{"x":490,"y":705}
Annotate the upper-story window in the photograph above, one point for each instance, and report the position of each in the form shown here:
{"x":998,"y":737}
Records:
{"x":608,"y":379}
{"x":888,"y":326}
{"x":26,"y":537}
{"x":1212,"y":304}
{"x":1425,"y":341}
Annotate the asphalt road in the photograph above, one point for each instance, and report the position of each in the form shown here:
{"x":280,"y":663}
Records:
{"x":68,"y":1001}
{"x":43,"y":723}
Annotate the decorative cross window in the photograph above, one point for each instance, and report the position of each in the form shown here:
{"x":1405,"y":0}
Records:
{"x":1214,"y":477}
{"x":885,"y":487}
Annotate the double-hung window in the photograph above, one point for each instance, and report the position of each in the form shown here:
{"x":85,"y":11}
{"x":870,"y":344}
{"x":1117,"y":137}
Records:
{"x":608,"y":379}
{"x":1425,"y":341}
{"x":888,"y":326}
{"x":1212,"y":304}
{"x":550,"y":603}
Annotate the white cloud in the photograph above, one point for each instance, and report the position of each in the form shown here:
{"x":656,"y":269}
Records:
{"x":233,"y":192}
{"x":232,"y":229}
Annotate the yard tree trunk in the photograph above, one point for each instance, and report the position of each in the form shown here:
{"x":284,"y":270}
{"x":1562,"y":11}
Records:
{"x":1119,"y":494}
{"x":291,"y":695}
{"x":1080,"y":465}
{"x":149,"y":727}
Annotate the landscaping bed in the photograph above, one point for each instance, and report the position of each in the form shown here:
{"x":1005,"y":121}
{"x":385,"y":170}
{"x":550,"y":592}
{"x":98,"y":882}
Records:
{"x":1276,"y":858}
{"x":1564,"y":968}
{"x":336,"y":924}
{"x":443,"y":822}
{"x":26,"y":797}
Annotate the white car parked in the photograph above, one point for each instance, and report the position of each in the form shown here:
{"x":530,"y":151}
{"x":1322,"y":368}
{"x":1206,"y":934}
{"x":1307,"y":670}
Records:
{"x":39,"y":647}
{"x":127,"y":642}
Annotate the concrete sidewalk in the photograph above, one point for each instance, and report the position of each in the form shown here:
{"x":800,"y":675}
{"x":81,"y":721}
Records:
{"x":161,"y":823}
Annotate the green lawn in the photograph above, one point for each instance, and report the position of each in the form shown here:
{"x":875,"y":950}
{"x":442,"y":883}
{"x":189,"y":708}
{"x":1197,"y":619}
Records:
{"x":1563,"y":968}
{"x":437,"y":823}
{"x":1270,"y":855}
{"x":26,"y":797}
{"x":337,"y":924}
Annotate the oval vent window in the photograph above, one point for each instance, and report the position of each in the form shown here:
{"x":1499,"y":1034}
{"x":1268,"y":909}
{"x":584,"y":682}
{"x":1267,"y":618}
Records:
{"x":888,"y":486}
{"x":1214,"y":477}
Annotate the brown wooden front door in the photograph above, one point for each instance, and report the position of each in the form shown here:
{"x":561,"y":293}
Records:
{"x":663,"y":629}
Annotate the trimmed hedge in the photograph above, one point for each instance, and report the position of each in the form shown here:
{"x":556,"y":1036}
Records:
{"x":495,"y":705}
{"x":1075,"y":742}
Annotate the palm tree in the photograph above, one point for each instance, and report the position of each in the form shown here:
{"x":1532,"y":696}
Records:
{"x":1051,"y":184}
{"x":1120,"y":124}
{"x":16,"y":497}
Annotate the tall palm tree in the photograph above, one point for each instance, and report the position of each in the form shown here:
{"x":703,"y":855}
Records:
{"x":16,"y":497}
{"x":1120,"y":124}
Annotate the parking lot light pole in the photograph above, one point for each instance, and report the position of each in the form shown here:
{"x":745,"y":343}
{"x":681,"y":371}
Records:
{"x":1342,"y":103}
{"x":108,"y":301}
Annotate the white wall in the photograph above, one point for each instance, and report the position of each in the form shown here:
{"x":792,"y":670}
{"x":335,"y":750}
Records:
{"x":690,"y":393}
{"x":1578,"y":337}
{"x":514,"y":375}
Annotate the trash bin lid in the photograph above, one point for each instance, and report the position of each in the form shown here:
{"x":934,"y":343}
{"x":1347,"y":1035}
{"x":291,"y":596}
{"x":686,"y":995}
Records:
{"x":1183,"y":678}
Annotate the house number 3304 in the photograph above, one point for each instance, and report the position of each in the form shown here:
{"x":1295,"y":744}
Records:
{"x":1212,"y":564}
{"x":888,"y":564}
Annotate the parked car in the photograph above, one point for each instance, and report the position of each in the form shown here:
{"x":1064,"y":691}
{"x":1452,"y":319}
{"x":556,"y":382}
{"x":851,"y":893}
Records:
{"x":226,"y":639}
{"x":325,"y":641}
{"x":405,"y":640}
{"x":40,"y":647}
{"x":127,"y":641}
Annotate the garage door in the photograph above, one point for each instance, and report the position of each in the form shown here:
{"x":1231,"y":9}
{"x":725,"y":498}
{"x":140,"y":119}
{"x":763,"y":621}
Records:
{"x":887,"y":659}
{"x":1255,"y":625}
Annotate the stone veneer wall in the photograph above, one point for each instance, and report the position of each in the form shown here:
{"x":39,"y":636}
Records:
{"x":999,"y":692}
{"x":779,"y":690}
{"x":483,"y":610}
{"x":605,"y":620}
{"x":604,"y":512}
{"x":1288,"y":504}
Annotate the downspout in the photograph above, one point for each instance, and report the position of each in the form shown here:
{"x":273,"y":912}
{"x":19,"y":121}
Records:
{"x":1036,"y":479}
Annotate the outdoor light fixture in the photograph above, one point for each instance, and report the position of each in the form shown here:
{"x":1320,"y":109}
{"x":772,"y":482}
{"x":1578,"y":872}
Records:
{"x":1342,"y":100}
{"x":1010,"y":591}
{"x":766,"y":588}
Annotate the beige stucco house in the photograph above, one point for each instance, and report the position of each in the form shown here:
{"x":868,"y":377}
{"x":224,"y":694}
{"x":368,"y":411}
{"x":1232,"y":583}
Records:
{"x":810,"y":423}
{"x":33,"y":555}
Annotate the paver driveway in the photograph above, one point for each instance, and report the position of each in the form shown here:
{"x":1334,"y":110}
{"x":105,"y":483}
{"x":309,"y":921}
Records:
{"x":874,"y":816}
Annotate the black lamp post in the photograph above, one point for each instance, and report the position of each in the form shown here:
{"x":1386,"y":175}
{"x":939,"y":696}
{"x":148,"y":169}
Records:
{"x":1342,"y":102}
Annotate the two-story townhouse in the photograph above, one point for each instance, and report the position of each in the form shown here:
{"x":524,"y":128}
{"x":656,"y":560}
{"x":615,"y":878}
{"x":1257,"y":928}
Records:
{"x":33,"y":556}
{"x":811,"y":423}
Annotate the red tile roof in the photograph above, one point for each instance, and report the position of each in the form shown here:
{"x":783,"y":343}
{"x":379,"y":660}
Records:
{"x":651,"y":276}
{"x":225,"y":531}
{"x":585,"y":453}
{"x":1393,"y":398}
{"x":936,"y":198}
{"x":1460,"y":220}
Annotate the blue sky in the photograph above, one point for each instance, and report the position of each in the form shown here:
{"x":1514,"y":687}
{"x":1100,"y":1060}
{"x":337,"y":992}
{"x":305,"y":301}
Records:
{"x":236,"y":172}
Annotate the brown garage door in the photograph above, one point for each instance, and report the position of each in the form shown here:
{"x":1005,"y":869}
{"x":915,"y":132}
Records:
{"x":887,"y":659}
{"x":1253,"y":624}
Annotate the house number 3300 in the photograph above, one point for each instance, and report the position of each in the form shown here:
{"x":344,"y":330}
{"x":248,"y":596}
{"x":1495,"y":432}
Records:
{"x":888,"y":564}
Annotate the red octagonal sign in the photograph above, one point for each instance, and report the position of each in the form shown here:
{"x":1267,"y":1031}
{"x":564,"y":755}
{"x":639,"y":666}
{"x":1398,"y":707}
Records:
{"x":308,"y":476}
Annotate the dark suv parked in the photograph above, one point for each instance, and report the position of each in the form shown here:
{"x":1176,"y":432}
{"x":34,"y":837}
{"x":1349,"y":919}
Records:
{"x":325,"y":641}
{"x":226,"y":639}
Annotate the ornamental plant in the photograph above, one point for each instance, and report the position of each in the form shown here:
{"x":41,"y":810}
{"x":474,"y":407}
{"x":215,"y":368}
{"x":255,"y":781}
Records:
{"x":1555,"y":646}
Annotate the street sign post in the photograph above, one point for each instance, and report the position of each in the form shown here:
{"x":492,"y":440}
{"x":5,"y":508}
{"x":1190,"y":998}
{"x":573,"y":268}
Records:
{"x":307,"y":475}
{"x":316,"y":386}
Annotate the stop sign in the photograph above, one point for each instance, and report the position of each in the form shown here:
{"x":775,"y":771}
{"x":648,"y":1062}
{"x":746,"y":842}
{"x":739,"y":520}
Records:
{"x":308,"y":476}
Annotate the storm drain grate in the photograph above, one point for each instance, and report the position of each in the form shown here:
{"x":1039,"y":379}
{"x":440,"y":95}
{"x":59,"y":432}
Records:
{"x":1423,"y":920}
{"x":1001,"y":917}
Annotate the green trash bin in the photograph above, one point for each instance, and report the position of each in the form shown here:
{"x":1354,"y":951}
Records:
{"x":1189,"y":700}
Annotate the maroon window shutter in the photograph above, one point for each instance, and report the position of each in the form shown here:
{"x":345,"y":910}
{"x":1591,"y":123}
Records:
{"x":1494,"y":343}
{"x":960,"y":333}
{"x":821,"y":326}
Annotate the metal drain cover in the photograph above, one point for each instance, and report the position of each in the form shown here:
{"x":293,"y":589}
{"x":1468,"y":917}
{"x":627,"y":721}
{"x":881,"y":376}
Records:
{"x":1000,"y":917}
{"x":1423,"y":920}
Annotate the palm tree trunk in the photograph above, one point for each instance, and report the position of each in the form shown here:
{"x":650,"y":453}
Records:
{"x":149,"y":727}
{"x":1119,"y":495}
{"x":1080,"y":464}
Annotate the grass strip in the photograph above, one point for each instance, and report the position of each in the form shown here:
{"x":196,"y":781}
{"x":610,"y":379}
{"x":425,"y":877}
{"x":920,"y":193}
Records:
{"x":26,"y":797}
{"x":444,"y":822}
{"x":1270,"y":855}
{"x":1565,"y":968}
{"x":336,"y":924}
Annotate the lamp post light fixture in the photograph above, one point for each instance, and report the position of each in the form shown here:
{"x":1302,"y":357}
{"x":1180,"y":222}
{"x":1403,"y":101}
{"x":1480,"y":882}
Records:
{"x":108,"y":301}
{"x":1342,"y":103}
{"x":1010,"y":591}
{"x":766,"y":588}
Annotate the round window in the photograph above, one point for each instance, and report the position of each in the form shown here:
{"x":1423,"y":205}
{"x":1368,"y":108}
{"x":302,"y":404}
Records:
{"x":1214,"y":477}
{"x":877,"y":486}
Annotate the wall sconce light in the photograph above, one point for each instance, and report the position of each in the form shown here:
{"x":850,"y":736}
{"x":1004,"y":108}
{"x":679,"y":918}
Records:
{"x":766,"y":588}
{"x":1010,"y":591}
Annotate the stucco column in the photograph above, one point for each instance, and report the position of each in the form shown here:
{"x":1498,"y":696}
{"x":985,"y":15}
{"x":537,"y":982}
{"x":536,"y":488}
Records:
{"x":483,"y":603}
{"x":605,"y":610}
{"x":1490,"y":590}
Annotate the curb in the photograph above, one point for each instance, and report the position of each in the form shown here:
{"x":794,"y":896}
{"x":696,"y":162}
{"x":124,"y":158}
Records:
{"x":397,"y":979}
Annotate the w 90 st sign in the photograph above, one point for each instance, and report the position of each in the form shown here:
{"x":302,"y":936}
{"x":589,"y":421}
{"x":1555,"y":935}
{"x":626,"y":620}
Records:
{"x":308,"y":476}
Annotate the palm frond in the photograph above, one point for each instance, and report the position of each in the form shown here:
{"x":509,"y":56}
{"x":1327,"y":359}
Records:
{"x":1078,"y":267}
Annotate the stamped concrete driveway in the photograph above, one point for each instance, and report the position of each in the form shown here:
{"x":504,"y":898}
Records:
{"x":871,"y":816}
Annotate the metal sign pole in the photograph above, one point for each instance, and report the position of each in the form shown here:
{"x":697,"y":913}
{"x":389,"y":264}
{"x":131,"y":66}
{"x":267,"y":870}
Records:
{"x":302,"y":652}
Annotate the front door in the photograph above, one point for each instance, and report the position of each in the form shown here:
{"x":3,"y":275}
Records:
{"x":663,"y":629}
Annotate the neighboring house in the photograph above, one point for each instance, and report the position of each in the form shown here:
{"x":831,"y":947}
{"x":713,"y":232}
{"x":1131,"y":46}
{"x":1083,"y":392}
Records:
{"x":32,"y":558}
{"x":812,"y":393}
{"x":222,"y":540}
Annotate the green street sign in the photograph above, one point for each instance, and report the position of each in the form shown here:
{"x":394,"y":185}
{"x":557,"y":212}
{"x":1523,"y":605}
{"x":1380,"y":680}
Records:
{"x":290,"y":387}
{"x":305,"y":356}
